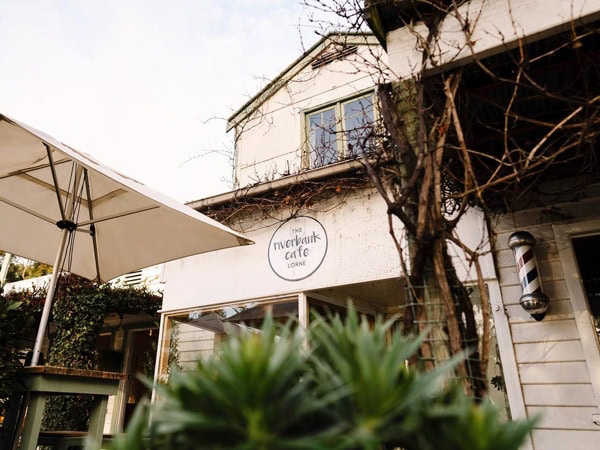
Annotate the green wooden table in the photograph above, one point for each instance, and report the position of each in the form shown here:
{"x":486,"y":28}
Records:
{"x":43,"y":381}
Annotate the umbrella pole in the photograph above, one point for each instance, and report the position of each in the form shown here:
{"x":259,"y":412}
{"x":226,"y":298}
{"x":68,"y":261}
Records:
{"x":49,"y":297}
{"x":4,"y":270}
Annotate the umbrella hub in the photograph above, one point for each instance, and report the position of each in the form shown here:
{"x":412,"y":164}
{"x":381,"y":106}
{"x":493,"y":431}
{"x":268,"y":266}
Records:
{"x":66,"y":225}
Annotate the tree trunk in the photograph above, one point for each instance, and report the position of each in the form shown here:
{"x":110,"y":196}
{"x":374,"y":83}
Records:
{"x":438,"y":302}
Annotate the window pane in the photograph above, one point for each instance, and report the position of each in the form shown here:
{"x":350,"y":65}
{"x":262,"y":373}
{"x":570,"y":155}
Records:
{"x":322,"y":138}
{"x":198,"y":334}
{"x":358,"y":123}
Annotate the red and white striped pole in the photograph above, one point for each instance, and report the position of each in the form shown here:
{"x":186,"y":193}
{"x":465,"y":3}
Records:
{"x":533,"y":300}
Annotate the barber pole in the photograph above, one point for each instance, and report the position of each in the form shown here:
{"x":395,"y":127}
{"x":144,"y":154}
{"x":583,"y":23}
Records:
{"x":533,"y":300}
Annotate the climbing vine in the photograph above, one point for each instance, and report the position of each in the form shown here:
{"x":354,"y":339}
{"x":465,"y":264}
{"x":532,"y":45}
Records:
{"x":78,"y":314}
{"x":18,"y":319}
{"x":304,"y":195}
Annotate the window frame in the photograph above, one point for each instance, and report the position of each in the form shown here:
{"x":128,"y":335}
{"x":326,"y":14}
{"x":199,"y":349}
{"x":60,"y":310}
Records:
{"x":564,"y":234}
{"x":342,"y":153}
{"x":168,"y":320}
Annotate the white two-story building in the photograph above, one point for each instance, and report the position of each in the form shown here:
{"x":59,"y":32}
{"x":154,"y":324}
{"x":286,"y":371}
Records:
{"x":321,"y":229}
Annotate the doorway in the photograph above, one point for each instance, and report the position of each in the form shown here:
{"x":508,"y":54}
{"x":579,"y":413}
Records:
{"x":578,"y":245}
{"x":140,"y":360}
{"x":587,"y":249}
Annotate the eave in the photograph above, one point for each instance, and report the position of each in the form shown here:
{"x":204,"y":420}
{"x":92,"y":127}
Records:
{"x":293,"y":69}
{"x":342,"y":168}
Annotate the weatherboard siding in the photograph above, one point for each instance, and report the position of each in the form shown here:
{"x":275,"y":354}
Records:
{"x":565,"y":439}
{"x":553,"y":371}
{"x":193,"y":344}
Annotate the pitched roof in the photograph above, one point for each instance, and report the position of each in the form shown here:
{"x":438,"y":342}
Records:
{"x":311,"y":56}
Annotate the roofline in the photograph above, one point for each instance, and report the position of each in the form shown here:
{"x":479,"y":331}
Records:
{"x":372,"y":16}
{"x":280,"y":183}
{"x":299,"y":63}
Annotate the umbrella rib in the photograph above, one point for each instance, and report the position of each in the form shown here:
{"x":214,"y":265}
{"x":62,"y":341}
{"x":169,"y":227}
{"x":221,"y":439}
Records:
{"x":33,"y":169}
{"x":92,"y":228}
{"x":56,"y":186}
{"x":117,"y":216}
{"x":92,"y":221}
{"x":27,"y":210}
{"x":24,"y":174}
{"x":42,"y":183}
{"x":109,"y":196}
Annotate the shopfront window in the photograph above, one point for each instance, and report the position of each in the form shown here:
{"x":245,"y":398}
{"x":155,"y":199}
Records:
{"x":197,"y":334}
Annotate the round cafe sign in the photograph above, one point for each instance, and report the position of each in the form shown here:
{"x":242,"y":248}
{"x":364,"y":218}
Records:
{"x":297,"y":248}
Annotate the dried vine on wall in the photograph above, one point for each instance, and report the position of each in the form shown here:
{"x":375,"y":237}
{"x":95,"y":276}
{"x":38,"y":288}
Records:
{"x":291,"y":200}
{"x":484,"y":136}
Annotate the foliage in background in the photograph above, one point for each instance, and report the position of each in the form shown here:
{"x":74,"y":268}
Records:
{"x":18,"y":319}
{"x":352,"y":390}
{"x":22,"y":269}
{"x":78,"y":314}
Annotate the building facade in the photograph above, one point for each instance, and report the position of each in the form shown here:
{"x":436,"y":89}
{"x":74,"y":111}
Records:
{"x":551,"y":365}
{"x":321,"y":232}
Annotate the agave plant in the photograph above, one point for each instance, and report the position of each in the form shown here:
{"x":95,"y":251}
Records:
{"x":385,"y":403}
{"x":256,"y":394}
{"x":380,"y":397}
{"x":352,"y":390}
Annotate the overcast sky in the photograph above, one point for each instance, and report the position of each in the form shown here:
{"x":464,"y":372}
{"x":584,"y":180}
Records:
{"x":135,"y":83}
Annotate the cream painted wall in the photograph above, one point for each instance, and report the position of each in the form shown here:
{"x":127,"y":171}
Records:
{"x":360,"y":249}
{"x":495,"y":25}
{"x":270,"y":143}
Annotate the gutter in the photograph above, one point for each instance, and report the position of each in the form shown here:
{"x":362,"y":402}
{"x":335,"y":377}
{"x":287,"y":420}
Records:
{"x":372,"y":15}
{"x":278,"y":184}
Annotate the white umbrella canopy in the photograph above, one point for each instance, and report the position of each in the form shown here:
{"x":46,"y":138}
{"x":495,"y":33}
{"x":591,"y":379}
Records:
{"x":58,"y":205}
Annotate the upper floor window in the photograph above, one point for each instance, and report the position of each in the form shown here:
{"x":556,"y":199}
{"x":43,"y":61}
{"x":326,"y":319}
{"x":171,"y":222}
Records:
{"x":340,"y":131}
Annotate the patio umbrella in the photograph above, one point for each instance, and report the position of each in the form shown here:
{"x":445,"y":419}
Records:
{"x":60,"y":207}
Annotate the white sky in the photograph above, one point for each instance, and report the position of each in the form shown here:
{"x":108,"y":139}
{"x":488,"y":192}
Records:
{"x":133,"y":82}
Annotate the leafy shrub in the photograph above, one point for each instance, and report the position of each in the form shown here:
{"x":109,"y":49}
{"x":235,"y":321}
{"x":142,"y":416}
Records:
{"x":78,"y":313}
{"x":18,"y":318}
{"x":352,"y":390}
